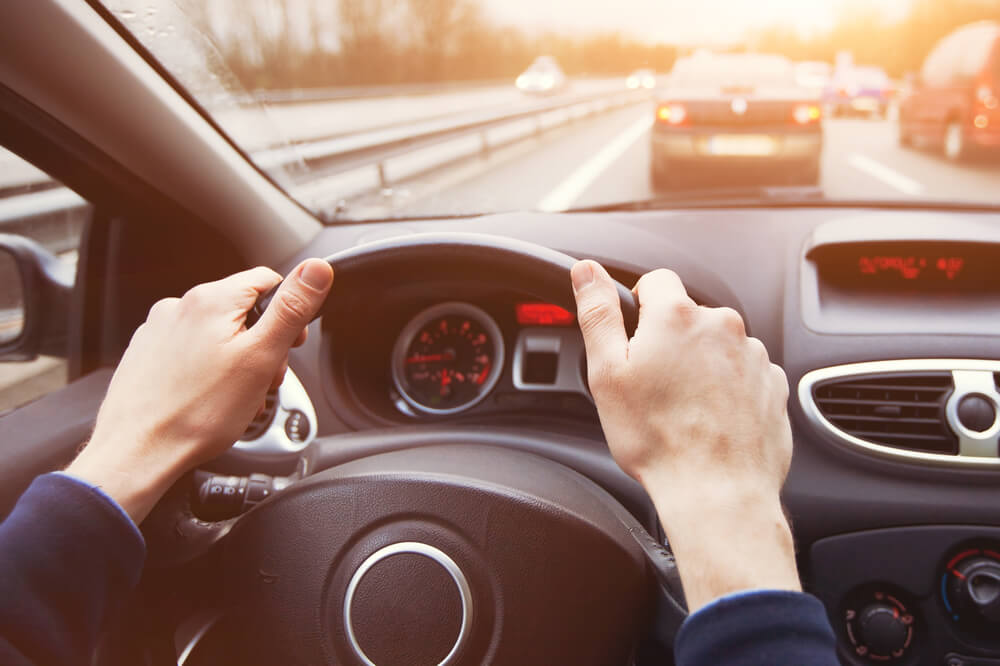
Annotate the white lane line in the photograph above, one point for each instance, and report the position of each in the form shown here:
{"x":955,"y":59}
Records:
{"x":889,"y":176}
{"x":570,"y":189}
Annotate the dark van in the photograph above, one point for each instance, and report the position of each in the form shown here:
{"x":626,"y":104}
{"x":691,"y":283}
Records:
{"x":954,"y":102}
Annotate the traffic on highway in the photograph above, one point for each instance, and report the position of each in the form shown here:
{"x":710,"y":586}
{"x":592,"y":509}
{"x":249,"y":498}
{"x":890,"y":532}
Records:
{"x":756,"y":111}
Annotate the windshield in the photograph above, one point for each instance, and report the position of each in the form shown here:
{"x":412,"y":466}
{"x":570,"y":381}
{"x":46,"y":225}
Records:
{"x":365,"y":109}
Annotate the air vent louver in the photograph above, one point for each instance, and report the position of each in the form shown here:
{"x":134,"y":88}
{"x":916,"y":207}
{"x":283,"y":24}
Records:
{"x":262,"y":421}
{"x":902,"y":410}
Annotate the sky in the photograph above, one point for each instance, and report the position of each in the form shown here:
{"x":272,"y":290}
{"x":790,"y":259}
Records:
{"x":703,"y":22}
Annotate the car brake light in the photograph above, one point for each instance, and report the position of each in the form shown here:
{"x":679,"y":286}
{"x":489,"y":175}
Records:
{"x":542,"y":314}
{"x":674,"y":114}
{"x":804,"y":114}
{"x":986,"y":96}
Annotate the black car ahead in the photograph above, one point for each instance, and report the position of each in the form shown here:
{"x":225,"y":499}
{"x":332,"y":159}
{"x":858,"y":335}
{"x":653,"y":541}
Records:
{"x":730,"y":117}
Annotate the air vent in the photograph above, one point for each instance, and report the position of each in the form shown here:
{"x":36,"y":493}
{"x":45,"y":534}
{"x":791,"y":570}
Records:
{"x":262,"y":421}
{"x":900,"y":410}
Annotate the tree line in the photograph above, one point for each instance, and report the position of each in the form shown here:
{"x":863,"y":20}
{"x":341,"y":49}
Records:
{"x":316,"y":43}
{"x":325,"y":43}
{"x":899,"y":46}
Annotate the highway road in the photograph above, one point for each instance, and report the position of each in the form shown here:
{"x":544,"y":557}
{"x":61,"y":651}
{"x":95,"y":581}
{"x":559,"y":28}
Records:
{"x":606,"y":160}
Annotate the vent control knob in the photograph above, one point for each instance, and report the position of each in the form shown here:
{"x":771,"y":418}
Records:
{"x":976,"y":412}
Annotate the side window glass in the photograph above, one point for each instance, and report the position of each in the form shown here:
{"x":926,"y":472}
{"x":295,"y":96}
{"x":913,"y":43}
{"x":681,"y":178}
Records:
{"x":35,"y":207}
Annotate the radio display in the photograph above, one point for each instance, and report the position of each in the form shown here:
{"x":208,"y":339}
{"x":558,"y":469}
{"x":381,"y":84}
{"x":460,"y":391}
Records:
{"x":910,"y":266}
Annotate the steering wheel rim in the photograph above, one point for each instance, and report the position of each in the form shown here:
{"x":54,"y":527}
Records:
{"x":526,"y":267}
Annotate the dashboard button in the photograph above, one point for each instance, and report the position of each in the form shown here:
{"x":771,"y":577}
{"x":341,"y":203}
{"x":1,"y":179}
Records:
{"x":976,"y":412}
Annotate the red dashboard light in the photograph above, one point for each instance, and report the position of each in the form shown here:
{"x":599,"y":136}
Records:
{"x":543,"y":314}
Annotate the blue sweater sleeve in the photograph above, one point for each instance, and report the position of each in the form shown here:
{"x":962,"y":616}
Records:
{"x":758,"y":628}
{"x":69,"y":557}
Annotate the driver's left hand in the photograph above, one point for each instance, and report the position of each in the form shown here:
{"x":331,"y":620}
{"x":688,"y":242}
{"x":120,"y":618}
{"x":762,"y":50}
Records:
{"x":192,"y":378}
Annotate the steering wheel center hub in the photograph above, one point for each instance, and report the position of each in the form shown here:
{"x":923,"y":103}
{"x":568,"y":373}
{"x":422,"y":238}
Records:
{"x":408,"y":603}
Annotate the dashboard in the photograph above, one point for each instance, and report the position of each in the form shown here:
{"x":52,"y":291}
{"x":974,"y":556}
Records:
{"x":884,"y":320}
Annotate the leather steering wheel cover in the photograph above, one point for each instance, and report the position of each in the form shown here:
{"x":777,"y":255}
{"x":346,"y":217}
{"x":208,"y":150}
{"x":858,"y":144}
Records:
{"x":518,"y":265}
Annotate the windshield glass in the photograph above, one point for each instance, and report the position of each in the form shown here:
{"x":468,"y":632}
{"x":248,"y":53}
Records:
{"x":366,"y":109}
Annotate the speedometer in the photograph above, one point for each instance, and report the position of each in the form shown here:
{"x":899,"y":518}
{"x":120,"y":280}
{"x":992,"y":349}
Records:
{"x":447,"y":358}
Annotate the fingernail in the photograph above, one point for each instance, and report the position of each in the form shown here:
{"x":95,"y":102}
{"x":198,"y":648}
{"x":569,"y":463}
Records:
{"x":582,"y":274}
{"x":316,"y":274}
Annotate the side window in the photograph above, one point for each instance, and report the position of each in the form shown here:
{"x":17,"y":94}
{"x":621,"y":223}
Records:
{"x":975,"y":52}
{"x":937,"y":69}
{"x":41,"y":210}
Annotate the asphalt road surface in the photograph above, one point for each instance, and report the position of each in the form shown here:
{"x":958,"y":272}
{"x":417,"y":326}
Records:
{"x":606,"y":160}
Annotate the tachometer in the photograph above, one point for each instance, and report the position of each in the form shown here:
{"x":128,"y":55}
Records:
{"x":447,"y":358}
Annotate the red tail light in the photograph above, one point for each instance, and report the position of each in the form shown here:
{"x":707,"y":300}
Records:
{"x":671,"y":113}
{"x":806,"y":114}
{"x":986,"y":95}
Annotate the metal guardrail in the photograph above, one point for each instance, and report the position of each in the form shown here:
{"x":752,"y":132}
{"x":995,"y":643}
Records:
{"x":363,"y":150}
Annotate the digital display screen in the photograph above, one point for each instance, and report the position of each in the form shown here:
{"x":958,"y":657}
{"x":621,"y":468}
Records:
{"x":910,"y":266}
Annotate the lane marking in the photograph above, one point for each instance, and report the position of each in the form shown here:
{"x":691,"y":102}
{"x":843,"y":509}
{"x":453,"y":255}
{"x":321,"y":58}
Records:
{"x":570,"y":189}
{"x":889,"y":176}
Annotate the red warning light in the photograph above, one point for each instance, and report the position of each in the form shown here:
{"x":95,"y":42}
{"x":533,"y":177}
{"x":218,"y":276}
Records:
{"x":543,"y":314}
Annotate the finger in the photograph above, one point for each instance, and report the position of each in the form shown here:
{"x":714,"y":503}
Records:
{"x":294,"y":305}
{"x":662,"y":298}
{"x":727,"y":320}
{"x":599,"y":312}
{"x":301,"y":340}
{"x":236,"y":293}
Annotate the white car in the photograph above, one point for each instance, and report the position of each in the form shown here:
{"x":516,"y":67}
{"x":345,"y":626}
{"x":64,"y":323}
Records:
{"x":544,"y":76}
{"x":641,"y":79}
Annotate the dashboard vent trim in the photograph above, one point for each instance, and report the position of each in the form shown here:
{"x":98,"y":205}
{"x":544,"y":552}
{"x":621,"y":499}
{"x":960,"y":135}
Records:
{"x":905,"y":409}
{"x":262,"y":421}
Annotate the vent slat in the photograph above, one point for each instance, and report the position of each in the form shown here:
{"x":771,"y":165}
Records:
{"x":874,"y":402}
{"x":903,"y":410}
{"x":883,"y":419}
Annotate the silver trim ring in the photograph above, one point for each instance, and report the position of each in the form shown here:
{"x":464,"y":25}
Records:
{"x":415,"y":548}
{"x":976,"y":450}
{"x":417,"y":322}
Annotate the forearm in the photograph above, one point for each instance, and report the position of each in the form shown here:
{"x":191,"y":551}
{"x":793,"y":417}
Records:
{"x":68,"y":559}
{"x":726,"y":542}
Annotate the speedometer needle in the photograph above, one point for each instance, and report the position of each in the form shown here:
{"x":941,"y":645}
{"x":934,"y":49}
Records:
{"x":431,"y":358}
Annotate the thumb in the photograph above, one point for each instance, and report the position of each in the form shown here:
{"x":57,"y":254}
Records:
{"x":600,"y":315}
{"x":295,"y":304}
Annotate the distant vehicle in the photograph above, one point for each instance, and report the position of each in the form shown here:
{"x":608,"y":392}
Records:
{"x":735,"y":112}
{"x":542,"y":77}
{"x":813,"y":75}
{"x":953,"y":102}
{"x":859,"y":91}
{"x":641,"y":79}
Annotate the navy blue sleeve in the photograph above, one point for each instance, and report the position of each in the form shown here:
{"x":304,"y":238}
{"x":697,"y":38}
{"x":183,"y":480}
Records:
{"x":69,"y":557}
{"x":757,"y":628}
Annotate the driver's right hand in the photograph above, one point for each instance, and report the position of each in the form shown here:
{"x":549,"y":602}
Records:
{"x":695,"y":411}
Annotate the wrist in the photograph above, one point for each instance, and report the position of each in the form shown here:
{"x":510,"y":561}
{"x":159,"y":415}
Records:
{"x":727,"y":543}
{"x":134,"y":481}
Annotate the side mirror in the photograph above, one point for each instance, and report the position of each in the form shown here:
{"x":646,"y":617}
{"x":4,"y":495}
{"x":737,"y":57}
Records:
{"x":35,"y":289}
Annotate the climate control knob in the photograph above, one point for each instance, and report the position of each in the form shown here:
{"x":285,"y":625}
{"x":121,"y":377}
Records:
{"x":879,"y":626}
{"x":882,"y":629}
{"x":971,"y":586}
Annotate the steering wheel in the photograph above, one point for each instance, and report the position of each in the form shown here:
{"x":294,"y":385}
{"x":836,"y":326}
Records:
{"x":444,"y":553}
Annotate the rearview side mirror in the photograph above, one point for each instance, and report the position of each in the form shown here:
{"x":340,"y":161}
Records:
{"x":35,"y":288}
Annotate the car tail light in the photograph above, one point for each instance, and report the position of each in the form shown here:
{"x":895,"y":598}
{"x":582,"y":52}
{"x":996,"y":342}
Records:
{"x":672,"y":114}
{"x":986,"y":96}
{"x":805,"y":114}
